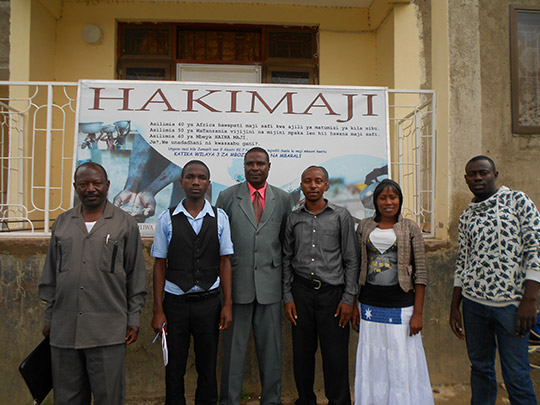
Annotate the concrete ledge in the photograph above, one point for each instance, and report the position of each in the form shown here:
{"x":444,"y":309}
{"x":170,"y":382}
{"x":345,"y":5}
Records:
{"x":21,"y":312}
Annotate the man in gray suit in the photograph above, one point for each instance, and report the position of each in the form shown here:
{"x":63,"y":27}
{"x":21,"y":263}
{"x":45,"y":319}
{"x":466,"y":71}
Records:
{"x":257,"y":212}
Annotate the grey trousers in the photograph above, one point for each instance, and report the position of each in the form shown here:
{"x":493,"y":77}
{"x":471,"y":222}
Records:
{"x":80,"y":373}
{"x":266,"y":323}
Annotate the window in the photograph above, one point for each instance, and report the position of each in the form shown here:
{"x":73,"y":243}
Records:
{"x":525,"y":64}
{"x":187,"y":72}
{"x":145,"y":52}
{"x":284,"y":76}
{"x":151,"y":51}
{"x":144,"y":40}
{"x":218,"y":46}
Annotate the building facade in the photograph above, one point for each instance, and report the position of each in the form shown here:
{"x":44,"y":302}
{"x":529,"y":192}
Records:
{"x":462,"y":50}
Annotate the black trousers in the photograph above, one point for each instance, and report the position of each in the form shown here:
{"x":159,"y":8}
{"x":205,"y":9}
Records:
{"x":316,"y":321}
{"x":200,"y":318}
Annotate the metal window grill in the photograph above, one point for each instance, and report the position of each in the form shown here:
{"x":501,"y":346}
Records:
{"x":37,"y":119}
{"x":412,"y":133}
{"x":37,"y":123}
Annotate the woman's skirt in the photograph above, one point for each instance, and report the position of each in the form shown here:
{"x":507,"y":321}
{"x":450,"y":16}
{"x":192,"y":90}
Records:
{"x":391,"y":366}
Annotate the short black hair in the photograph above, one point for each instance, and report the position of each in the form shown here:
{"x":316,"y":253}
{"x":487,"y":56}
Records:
{"x":258,"y":149}
{"x":320,"y":168}
{"x":95,"y":166}
{"x":194,"y":162}
{"x":483,"y":157}
{"x":379,"y":189}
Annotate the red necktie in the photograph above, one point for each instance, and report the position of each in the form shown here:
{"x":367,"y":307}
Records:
{"x":257,"y":207}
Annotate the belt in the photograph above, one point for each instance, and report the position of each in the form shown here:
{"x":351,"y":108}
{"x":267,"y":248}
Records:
{"x":198,"y":296}
{"x":312,"y":283}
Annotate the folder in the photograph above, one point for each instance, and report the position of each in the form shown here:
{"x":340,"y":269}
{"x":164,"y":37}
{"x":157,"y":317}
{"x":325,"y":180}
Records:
{"x":36,"y":371}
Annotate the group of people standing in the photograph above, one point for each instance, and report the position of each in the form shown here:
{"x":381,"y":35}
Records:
{"x":227,"y":268}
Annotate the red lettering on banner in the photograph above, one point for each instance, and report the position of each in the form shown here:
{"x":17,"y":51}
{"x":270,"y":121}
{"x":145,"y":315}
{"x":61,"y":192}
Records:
{"x":369,"y":104}
{"x":162,"y":101}
{"x":350,"y":110}
{"x":234,"y":93}
{"x":237,"y":99}
{"x":325,"y":104}
{"x":288,"y":96}
{"x":191,"y":100}
{"x":98,"y":98}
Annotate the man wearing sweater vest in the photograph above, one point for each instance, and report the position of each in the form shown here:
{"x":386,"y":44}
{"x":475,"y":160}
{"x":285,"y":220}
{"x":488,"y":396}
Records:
{"x":191,"y":250}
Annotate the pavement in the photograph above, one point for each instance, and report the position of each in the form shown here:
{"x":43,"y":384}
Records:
{"x":455,"y":394}
{"x":443,"y":394}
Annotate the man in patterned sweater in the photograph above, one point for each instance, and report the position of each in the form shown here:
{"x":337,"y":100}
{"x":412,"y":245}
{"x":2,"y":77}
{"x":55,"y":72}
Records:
{"x":497,"y":276}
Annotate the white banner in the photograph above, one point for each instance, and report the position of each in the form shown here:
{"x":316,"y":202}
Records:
{"x":143,"y":133}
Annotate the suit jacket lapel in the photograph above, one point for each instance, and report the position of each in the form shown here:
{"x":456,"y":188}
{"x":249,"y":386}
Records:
{"x":246,"y":205}
{"x":269,"y":205}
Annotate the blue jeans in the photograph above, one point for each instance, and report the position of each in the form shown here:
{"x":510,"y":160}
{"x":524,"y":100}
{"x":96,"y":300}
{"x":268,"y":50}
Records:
{"x":486,"y":328}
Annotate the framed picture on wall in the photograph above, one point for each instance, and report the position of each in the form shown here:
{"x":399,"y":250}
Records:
{"x":525,"y":65}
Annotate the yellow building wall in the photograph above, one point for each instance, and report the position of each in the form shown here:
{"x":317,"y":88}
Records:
{"x":346,"y":50}
{"x":376,"y":47}
{"x":385,"y":53}
{"x":42,"y":53}
{"x":19,"y":50}
{"x":399,"y":50}
{"x":54,"y":7}
{"x":407,"y":75}
{"x":347,"y":59}
{"x":32,"y":49}
{"x":401,"y":65}
{"x":42,"y":43}
{"x":407,"y":49}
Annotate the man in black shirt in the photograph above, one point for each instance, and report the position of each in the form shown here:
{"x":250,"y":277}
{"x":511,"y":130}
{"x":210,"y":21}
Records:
{"x":320,"y":277}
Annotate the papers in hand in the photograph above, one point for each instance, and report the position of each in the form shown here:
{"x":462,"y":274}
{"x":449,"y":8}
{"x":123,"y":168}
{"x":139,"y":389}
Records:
{"x":164,"y":346}
{"x":163,"y":343}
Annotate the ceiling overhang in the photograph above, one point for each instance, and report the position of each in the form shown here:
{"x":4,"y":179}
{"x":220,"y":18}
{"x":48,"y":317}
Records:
{"x":319,"y":3}
{"x":316,"y":3}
